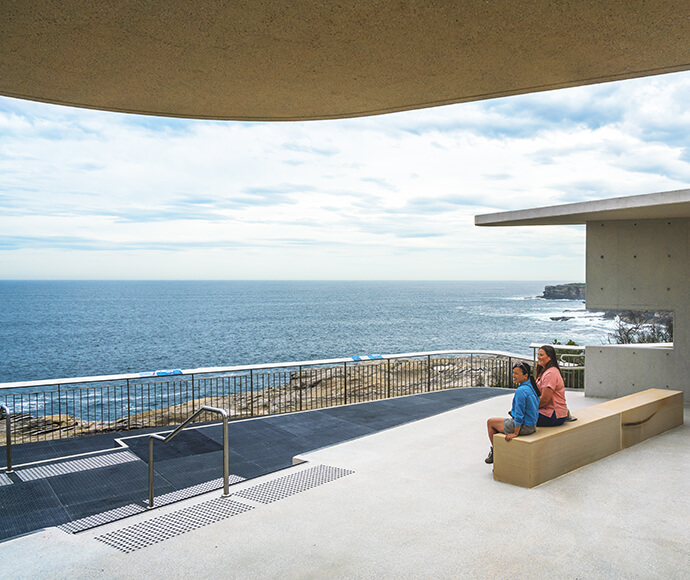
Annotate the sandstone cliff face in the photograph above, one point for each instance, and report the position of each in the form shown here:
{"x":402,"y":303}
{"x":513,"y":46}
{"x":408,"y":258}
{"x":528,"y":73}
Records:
{"x":575,"y":291}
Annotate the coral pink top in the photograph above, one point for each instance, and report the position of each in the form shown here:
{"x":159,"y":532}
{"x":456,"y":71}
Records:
{"x":552,"y":379}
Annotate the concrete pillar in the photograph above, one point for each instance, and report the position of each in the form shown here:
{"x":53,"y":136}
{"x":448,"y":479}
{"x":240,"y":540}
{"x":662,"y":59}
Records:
{"x":639,"y":265}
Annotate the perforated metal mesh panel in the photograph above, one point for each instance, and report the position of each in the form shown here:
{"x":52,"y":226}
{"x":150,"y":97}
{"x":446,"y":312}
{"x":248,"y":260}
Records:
{"x":102,"y":518}
{"x":74,"y":465}
{"x":173,"y":524}
{"x":5,"y":479}
{"x":293,"y":483}
{"x":188,"y":492}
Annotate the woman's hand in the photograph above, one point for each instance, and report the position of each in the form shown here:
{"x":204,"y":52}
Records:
{"x":515,"y":433}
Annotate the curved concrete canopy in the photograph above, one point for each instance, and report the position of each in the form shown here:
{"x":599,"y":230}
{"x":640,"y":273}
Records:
{"x":309,"y":59}
{"x":667,"y":204}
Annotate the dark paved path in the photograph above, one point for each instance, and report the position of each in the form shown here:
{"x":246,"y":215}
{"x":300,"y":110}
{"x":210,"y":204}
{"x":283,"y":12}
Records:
{"x":257,"y":446}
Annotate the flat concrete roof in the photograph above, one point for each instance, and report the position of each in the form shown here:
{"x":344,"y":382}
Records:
{"x":667,"y":204}
{"x":310,"y":59}
{"x":418,"y":502}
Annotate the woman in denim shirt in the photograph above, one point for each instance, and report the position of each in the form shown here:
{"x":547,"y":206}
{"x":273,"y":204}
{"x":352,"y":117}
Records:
{"x":524,"y":413}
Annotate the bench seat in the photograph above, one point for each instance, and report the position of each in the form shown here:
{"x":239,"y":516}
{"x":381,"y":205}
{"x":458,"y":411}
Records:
{"x":599,"y":431}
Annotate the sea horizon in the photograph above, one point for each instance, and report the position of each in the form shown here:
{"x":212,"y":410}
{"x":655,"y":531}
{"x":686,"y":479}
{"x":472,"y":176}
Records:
{"x":68,"y":328}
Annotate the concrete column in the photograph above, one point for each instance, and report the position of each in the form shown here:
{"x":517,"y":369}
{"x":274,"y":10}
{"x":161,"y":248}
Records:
{"x":639,"y":265}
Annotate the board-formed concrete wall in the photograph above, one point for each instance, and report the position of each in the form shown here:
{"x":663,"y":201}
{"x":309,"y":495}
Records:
{"x":639,"y":265}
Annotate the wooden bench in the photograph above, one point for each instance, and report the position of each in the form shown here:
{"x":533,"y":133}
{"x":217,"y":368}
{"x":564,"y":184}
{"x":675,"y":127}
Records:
{"x":599,"y":431}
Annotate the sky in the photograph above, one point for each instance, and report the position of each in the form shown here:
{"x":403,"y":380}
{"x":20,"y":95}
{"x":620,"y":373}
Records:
{"x":95,"y":195}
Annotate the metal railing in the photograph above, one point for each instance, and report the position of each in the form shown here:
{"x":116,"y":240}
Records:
{"x":55,"y":409}
{"x":226,"y":461}
{"x":571,"y":360}
{"x":5,"y":414}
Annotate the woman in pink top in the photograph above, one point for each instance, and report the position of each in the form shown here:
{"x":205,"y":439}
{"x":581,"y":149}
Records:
{"x":553,"y":409}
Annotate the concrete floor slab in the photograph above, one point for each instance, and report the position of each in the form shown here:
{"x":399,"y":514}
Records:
{"x":421,"y":503}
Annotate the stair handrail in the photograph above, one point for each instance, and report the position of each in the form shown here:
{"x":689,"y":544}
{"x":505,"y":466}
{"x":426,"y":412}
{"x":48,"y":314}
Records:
{"x":5,"y":412}
{"x":226,"y":463}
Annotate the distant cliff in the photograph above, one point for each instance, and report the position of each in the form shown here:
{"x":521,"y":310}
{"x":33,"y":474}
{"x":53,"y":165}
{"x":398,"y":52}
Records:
{"x":574,"y":291}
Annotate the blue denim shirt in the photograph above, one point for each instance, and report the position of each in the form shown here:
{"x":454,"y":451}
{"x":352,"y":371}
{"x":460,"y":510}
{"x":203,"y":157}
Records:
{"x":525,"y":409}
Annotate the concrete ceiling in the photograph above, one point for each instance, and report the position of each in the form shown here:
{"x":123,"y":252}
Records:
{"x":307,"y":59}
{"x":664,"y":205}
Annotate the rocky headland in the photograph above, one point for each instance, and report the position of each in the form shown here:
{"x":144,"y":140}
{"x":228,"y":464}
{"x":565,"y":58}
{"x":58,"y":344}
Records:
{"x":573,"y":291}
{"x":577,"y":291}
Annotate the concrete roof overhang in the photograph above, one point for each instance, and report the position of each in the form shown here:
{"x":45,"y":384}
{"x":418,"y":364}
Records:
{"x":309,"y":59}
{"x":664,"y":205}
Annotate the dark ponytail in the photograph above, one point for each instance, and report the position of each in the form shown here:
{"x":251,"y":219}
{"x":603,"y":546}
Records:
{"x":534,"y":386}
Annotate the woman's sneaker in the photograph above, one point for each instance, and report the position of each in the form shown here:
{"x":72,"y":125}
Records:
{"x":490,"y":458}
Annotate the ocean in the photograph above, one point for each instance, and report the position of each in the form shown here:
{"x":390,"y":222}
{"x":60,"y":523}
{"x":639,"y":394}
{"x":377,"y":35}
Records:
{"x":59,"y":329}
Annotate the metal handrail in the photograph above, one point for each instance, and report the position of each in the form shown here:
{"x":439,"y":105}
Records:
{"x":226,"y":461}
{"x":4,"y":411}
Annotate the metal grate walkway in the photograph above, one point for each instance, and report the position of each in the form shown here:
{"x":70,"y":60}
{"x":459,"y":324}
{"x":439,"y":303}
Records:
{"x":83,"y":482}
{"x":75,"y":465}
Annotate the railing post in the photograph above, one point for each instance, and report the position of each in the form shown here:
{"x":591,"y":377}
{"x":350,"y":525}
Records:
{"x":510,"y":366}
{"x":300,"y":387}
{"x":129,"y":411}
{"x":193,"y":396}
{"x":251,"y":393}
{"x":8,"y":436}
{"x":151,"y":472}
{"x":345,"y":383}
{"x":388,"y":380}
{"x":226,"y":458}
{"x":428,"y":373}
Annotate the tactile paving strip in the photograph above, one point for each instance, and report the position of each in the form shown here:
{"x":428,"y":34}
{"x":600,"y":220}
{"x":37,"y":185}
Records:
{"x":185,"y":520}
{"x":173,"y":524}
{"x":84,"y":464}
{"x":198,"y":489}
{"x":291,"y":484}
{"x":129,"y":510}
{"x":5,"y":479}
{"x":103,"y":518}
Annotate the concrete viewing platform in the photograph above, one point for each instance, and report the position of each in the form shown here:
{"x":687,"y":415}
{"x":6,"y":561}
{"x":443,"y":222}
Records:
{"x":414,"y":500}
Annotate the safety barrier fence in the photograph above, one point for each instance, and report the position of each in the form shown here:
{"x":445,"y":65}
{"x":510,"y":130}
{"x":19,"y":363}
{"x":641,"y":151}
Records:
{"x":54,"y":409}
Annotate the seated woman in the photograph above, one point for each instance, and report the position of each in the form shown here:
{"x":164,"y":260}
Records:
{"x":523,"y":415}
{"x":553,"y":409}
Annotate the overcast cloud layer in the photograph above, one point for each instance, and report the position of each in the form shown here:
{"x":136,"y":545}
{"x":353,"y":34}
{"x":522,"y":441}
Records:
{"x":93,"y":195}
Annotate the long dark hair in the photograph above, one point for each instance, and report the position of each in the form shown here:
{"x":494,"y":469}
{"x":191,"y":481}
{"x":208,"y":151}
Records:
{"x":525,"y":368}
{"x":553,"y":360}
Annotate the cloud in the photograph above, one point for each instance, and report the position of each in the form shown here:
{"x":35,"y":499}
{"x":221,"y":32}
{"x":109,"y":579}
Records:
{"x":388,"y":196}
